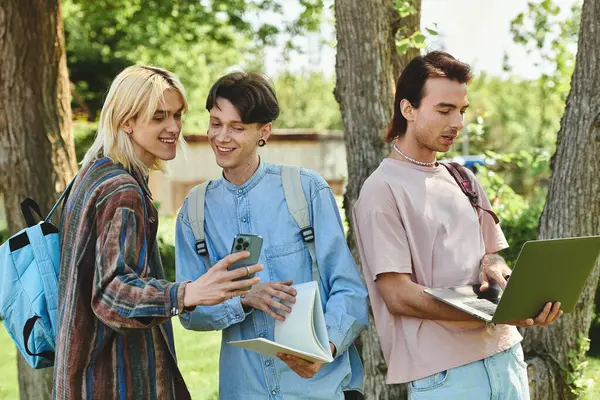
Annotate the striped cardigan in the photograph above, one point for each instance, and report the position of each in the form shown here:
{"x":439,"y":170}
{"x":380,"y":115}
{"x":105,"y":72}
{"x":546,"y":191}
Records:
{"x":114,"y":335}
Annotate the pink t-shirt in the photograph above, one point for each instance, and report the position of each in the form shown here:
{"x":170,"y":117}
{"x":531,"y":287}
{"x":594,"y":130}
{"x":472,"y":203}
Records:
{"x":416,"y":220}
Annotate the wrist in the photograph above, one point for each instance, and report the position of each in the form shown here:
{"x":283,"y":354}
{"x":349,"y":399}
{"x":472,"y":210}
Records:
{"x":247,"y":308}
{"x":188,"y":296}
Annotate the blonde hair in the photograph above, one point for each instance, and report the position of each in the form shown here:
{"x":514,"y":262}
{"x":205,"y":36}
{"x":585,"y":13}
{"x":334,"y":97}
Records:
{"x":134,"y":93}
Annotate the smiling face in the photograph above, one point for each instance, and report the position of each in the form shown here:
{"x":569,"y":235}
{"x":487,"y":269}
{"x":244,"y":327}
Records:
{"x":158,"y":137}
{"x":234,"y":143}
{"x":434,"y":126}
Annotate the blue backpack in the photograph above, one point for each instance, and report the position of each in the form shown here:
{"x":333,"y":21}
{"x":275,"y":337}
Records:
{"x":29,"y":268}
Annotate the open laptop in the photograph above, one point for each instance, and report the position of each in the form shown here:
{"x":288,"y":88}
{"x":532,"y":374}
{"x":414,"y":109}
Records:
{"x":546,"y":271}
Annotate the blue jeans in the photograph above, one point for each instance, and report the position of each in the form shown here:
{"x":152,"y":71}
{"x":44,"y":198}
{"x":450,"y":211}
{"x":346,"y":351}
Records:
{"x":502,"y":376}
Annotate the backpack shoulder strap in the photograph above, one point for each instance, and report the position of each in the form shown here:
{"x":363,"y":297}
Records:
{"x":298,"y":207}
{"x":195,"y":208}
{"x":463,"y":180}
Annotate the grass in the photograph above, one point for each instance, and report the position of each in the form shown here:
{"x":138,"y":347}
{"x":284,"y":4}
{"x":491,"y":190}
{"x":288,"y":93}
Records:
{"x":197,"y":355}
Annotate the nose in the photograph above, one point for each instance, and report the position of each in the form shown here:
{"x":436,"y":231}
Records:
{"x":174,"y":125}
{"x":458,"y":121}
{"x":220,"y":133}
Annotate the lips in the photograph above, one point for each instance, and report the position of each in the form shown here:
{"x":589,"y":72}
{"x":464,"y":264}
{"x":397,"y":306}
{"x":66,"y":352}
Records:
{"x":168,"y":140}
{"x":449,"y":139}
{"x":225,"y":149}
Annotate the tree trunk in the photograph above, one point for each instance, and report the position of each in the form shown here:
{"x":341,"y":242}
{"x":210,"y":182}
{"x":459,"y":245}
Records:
{"x":365,"y":63}
{"x":37,"y":157}
{"x":572,"y":209}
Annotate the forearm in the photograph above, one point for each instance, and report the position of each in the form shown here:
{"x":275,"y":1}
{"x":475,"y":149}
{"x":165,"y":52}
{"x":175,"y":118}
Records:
{"x":410,"y":300}
{"x":128,"y":302}
{"x":491,"y":259}
{"x":214,"y":318}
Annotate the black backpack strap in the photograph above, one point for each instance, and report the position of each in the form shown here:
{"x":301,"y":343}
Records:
{"x":27,"y":330}
{"x":28,"y":208}
{"x":463,"y":180}
{"x":62,"y":197}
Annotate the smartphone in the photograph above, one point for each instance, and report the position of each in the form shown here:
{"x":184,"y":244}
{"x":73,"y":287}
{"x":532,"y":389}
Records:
{"x":251,"y":243}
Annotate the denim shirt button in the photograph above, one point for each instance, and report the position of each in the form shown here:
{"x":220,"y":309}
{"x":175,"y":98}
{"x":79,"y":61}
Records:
{"x":240,"y":191}
{"x":267,"y":363}
{"x":243,"y":219}
{"x":262,"y":335}
{"x":274,"y":392}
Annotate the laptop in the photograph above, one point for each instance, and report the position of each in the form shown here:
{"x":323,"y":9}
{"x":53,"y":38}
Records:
{"x":546,"y":271}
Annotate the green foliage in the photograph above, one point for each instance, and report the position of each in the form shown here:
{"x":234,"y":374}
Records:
{"x":410,"y":37}
{"x":512,"y":114}
{"x":166,"y":245}
{"x":84,"y":133}
{"x":307,"y":101}
{"x":595,"y":327}
{"x":574,"y":370}
{"x":414,"y":41}
{"x":552,"y":39}
{"x":198,"y":40}
{"x":519,"y":215}
{"x":167,"y":255}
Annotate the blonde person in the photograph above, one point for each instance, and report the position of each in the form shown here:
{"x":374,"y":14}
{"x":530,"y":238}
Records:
{"x":114,"y":335}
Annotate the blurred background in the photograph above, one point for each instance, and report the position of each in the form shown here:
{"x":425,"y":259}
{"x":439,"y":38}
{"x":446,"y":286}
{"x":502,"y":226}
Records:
{"x":522,"y":53}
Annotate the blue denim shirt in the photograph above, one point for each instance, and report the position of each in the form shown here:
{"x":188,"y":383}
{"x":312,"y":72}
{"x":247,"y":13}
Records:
{"x":258,"y":207}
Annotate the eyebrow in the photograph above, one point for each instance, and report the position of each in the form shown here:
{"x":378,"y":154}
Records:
{"x":231,"y":122}
{"x":449,"y":105}
{"x":159,"y":111}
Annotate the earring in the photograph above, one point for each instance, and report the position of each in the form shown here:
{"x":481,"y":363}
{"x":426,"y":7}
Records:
{"x":262,"y":142}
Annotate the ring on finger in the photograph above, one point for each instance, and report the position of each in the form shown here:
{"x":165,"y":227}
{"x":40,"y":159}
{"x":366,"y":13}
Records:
{"x":247,"y":271}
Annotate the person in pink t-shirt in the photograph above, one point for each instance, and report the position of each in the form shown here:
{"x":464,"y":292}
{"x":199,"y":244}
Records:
{"x":415,"y":229}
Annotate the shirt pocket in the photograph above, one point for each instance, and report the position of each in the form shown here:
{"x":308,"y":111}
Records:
{"x":289,"y":262}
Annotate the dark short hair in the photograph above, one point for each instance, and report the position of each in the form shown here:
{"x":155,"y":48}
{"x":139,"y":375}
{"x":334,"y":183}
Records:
{"x":436,"y":64}
{"x":251,"y":93}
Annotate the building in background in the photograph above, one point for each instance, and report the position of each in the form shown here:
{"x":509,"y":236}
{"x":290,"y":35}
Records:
{"x":321,"y":151}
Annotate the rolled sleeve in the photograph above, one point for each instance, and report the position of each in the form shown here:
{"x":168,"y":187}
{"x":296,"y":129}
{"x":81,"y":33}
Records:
{"x":189,"y":267}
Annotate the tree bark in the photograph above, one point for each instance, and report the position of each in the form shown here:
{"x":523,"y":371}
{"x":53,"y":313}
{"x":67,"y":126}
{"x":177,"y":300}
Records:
{"x":37,"y":157}
{"x":572,"y":209}
{"x":365,"y":69}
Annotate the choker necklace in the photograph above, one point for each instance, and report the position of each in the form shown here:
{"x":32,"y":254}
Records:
{"x":412,"y":160}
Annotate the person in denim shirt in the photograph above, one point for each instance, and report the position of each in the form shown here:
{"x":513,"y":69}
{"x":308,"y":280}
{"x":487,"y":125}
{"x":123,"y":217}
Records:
{"x":249,"y":198}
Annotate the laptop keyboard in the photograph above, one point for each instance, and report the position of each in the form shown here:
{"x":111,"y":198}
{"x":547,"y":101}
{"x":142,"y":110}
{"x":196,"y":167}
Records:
{"x":482,"y":305}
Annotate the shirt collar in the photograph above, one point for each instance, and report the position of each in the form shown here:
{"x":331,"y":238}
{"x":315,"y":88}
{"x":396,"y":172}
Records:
{"x":142,"y":181}
{"x":250,"y":183}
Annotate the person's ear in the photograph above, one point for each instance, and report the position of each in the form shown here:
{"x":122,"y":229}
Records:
{"x":407,"y":110}
{"x":127,"y":126}
{"x":265,"y":131}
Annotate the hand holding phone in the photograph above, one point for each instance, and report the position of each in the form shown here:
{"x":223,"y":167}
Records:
{"x":217,"y":284}
{"x":250,"y":243}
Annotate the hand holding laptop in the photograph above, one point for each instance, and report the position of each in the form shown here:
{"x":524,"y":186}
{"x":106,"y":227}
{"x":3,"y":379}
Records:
{"x":494,"y":269}
{"x":565,"y":265}
{"x":549,"y":314}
